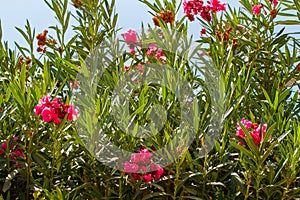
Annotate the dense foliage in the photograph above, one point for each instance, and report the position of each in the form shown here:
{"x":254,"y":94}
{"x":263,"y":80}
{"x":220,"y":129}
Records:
{"x":256,"y":155}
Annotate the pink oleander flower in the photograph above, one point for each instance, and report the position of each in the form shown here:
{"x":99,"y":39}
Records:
{"x":54,"y":111}
{"x":3,"y":148}
{"x":257,"y":131}
{"x":126,"y":68}
{"x":130,"y":37}
{"x":18,"y":152}
{"x":38,"y":109}
{"x":192,"y":8}
{"x":275,"y":2}
{"x":255,"y":137}
{"x":48,"y":114}
{"x":132,"y":51}
{"x":141,"y":166}
{"x":4,"y":145}
{"x":205,"y":13}
{"x":247,"y":123}
{"x":139,"y":158}
{"x":42,"y":104}
{"x":160,"y":55}
{"x":73,"y":84}
{"x":56,"y":120}
{"x":158,"y":171}
{"x":145,"y":155}
{"x":144,"y":168}
{"x":216,"y":6}
{"x":56,"y":104}
{"x":157,"y":52}
{"x":203,"y":31}
{"x":71,"y":111}
{"x":195,"y":7}
{"x":147,"y":177}
{"x":135,"y":158}
{"x":130,"y":167}
{"x":18,"y":165}
{"x":45,"y":100}
{"x":256,"y":9}
{"x":151,"y":49}
{"x":140,"y":68}
{"x":136,"y":176}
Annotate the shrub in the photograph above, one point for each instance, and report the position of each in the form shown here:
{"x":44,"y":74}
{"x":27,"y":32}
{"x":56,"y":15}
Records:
{"x":49,"y":146}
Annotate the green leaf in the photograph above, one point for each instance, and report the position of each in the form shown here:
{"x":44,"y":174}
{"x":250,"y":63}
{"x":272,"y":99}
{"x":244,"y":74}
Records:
{"x":267,"y":97}
{"x":155,"y":195}
{"x":242,"y":149}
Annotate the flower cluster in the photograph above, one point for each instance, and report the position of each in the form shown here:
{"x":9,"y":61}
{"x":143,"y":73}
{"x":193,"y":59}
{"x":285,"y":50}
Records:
{"x":142,"y":167}
{"x":257,"y":131}
{"x":27,"y":61}
{"x":42,"y":38}
{"x":130,"y":37}
{"x":54,"y":111}
{"x":153,"y":51}
{"x":256,"y":9}
{"x":195,"y":7}
{"x":17,"y":152}
{"x":166,"y":16}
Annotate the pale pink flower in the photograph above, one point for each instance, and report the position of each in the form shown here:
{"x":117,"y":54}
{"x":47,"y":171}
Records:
{"x":130,"y":167}
{"x":144,"y":168}
{"x":130,"y":37}
{"x":73,"y":84}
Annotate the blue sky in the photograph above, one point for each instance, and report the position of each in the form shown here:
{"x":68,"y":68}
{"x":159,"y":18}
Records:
{"x":14,"y":13}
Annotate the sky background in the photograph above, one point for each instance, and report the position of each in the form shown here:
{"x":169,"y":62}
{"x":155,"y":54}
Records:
{"x":14,"y":13}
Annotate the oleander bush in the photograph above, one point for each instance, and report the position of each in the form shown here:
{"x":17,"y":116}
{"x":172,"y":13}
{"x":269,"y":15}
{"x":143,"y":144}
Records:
{"x":251,"y":83}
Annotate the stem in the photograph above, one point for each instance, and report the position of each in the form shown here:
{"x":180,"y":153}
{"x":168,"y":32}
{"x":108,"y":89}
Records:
{"x":285,"y":190}
{"x":176,"y":180}
{"x":204,"y":176}
{"x":248,"y":187}
{"x":258,"y":179}
{"x":52,"y":164}
{"x":120,"y":186}
{"x":55,"y":143}
{"x":28,"y":162}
